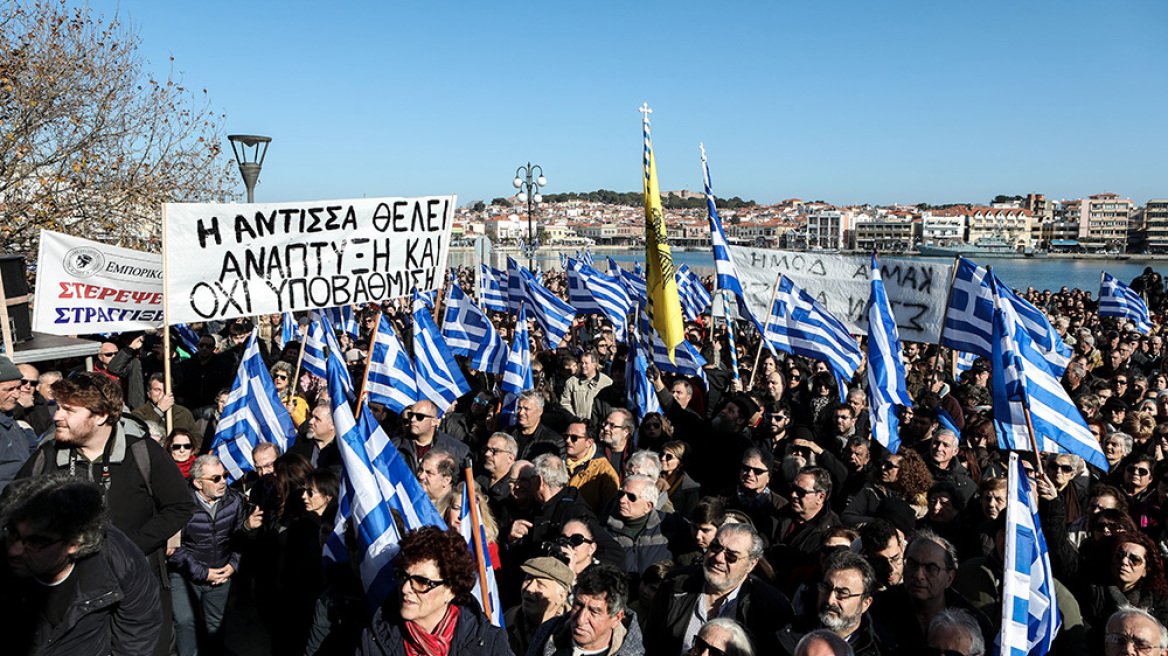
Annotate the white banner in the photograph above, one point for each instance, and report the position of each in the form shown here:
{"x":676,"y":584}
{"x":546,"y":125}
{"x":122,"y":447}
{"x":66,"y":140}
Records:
{"x":85,"y":286}
{"x":233,"y":260}
{"x":917,"y":289}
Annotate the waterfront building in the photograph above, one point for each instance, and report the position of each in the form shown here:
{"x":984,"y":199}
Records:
{"x":891,"y":233}
{"x":1155,"y":223}
{"x":1103,"y":221}
{"x":944,"y":226}
{"x":825,"y":228}
{"x":1011,"y":225}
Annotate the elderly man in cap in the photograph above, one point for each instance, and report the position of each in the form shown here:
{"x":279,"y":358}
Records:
{"x":17,"y":442}
{"x":544,"y":594}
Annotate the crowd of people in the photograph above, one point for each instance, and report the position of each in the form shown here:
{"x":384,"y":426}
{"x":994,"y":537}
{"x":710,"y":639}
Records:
{"x":753,"y":514}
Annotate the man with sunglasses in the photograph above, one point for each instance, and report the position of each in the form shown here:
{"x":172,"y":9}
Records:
{"x":31,"y":407}
{"x":423,"y":435}
{"x":16,"y":441}
{"x":71,"y":584}
{"x":145,"y":492}
{"x":753,"y":495}
{"x":803,"y":521}
{"x":638,"y":527}
{"x":722,"y":586}
{"x":590,"y":472}
{"x":202,"y":567}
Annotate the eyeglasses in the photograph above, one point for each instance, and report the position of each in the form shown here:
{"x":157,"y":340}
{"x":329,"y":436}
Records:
{"x":668,"y":456}
{"x":888,"y":465}
{"x":214,"y":479}
{"x":577,"y":540}
{"x":931,"y":569}
{"x":410,"y":416}
{"x":574,"y":438}
{"x":843,"y":594}
{"x":1121,"y":640}
{"x":758,"y":471}
{"x":106,"y":355}
{"x":280,"y":377}
{"x":492,"y":451}
{"x":1066,"y":469}
{"x":624,"y":494}
{"x":482,"y":401}
{"x":310,"y":492}
{"x":1130,"y":557}
{"x":1138,"y":471}
{"x":716,"y":548}
{"x":420,"y":584}
{"x":24,"y":382}
{"x":703,"y":647}
{"x":86,"y":380}
{"x":180,"y":447}
{"x":800,"y":492}
{"x":32,"y":543}
{"x":612,"y":426}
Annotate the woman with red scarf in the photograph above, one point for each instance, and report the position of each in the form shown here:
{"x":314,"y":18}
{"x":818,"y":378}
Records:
{"x":183,"y":447}
{"x":433,"y":612}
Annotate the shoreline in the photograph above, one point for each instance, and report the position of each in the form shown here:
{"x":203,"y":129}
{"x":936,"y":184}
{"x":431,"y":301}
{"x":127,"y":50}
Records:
{"x":548,"y":251}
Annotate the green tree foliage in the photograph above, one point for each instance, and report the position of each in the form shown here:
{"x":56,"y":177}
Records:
{"x":91,"y":143}
{"x":637,"y":199}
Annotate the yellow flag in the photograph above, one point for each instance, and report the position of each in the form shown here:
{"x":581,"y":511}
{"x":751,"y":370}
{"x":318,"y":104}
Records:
{"x":664,"y":304}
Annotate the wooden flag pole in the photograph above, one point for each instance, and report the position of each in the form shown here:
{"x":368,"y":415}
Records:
{"x":730,"y":336}
{"x":762,"y":342}
{"x":477,"y":540}
{"x":166,"y":327}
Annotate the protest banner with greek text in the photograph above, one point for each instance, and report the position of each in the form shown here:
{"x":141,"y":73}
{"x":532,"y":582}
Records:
{"x":233,"y":260}
{"x":917,"y":289}
{"x":86,"y":286}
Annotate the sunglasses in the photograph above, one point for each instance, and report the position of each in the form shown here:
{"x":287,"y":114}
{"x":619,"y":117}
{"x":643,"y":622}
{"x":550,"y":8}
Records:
{"x":409,"y":416}
{"x":577,"y":540}
{"x":1138,"y":471}
{"x":215,"y":479}
{"x":888,"y":465}
{"x":703,"y":647}
{"x":1066,"y":469}
{"x":1130,"y":557}
{"x":575,"y":438}
{"x":181,"y":447}
{"x":758,"y":471}
{"x":280,"y":377}
{"x":716,"y":548}
{"x":800,"y":492}
{"x":25,"y":382}
{"x":623,"y":494}
{"x":420,"y":584}
{"x":482,"y":401}
{"x":668,"y":456}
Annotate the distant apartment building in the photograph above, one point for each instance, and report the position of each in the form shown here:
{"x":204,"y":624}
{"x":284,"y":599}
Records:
{"x":1156,"y":225}
{"x":610,"y":234}
{"x":1011,"y":225}
{"x":944,"y":227}
{"x":884,"y":234}
{"x":1041,"y":213}
{"x":508,"y":228}
{"x":826,"y":229}
{"x":754,"y":233}
{"x":1103,"y":221}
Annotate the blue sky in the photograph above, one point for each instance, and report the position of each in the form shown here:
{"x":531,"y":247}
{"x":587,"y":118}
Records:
{"x":844,"y":101}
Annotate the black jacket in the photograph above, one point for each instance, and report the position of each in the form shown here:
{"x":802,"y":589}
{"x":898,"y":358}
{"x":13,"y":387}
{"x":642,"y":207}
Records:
{"x":208,"y":542}
{"x":473,"y":635}
{"x":761,"y":610}
{"x":869,"y":639}
{"x":113,"y":606}
{"x":442,"y":442}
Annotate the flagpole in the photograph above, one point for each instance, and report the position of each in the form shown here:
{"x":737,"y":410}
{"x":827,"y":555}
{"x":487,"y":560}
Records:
{"x":477,"y":538}
{"x":1033,"y":442}
{"x":165,"y":324}
{"x":762,"y":342}
{"x":365,"y":378}
{"x":300,"y":360}
{"x":729,"y":336}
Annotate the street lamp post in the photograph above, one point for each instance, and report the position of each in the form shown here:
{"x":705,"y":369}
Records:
{"x":250,"y":163}
{"x":528,"y":180}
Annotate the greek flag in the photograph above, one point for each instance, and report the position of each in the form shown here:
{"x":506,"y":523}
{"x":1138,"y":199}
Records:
{"x":886,"y":387}
{"x":552,"y":314}
{"x":288,"y":329}
{"x":798,"y":324}
{"x":436,"y":373}
{"x":692,"y":293}
{"x":965,"y":361}
{"x":1021,"y":380}
{"x":467,"y":526}
{"x":1030,"y":614}
{"x":518,"y":375}
{"x":1116,"y":299}
{"x":969,"y":320}
{"x":592,"y":292}
{"x":642,"y":396}
{"x":253,"y":414}
{"x":342,"y":320}
{"x":188,"y":337}
{"x":586,"y":257}
{"x":321,"y":337}
{"x":468,"y":332}
{"x":726,"y":274}
{"x":391,"y":379}
{"x":686,"y":359}
{"x":492,"y":289}
{"x":376,"y":481}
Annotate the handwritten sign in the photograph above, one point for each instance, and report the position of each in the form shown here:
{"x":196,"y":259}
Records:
{"x":86,"y":286}
{"x":233,"y":260}
{"x":917,"y":290}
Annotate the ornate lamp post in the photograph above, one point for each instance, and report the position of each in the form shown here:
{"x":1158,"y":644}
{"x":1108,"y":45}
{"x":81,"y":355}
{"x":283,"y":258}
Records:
{"x":528,"y":180}
{"x":250,"y":163}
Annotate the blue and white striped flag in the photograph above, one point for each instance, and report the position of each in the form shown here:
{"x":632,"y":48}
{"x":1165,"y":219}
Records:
{"x":965,"y":361}
{"x":391,"y":379}
{"x":437,"y":374}
{"x":492,"y":289}
{"x":692,"y":293}
{"x":798,"y":324}
{"x":518,"y":376}
{"x":1116,"y":299}
{"x":1021,"y":380}
{"x":592,"y":292}
{"x":189,"y":338}
{"x":469,"y":333}
{"x":320,"y":342}
{"x":552,"y":314}
{"x":253,"y":414}
{"x":686,"y":359}
{"x":289,"y":331}
{"x":342,"y":320}
{"x":466,"y":525}
{"x":886,"y":387}
{"x":1030,"y":613}
{"x":586,"y":257}
{"x":642,"y":397}
{"x":969,"y":320}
